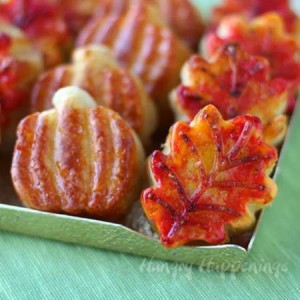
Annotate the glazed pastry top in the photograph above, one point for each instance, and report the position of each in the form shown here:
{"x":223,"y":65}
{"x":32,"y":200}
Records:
{"x":184,"y":19}
{"x":95,"y":70}
{"x":140,"y":42}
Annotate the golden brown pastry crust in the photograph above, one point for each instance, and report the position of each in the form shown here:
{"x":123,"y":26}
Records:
{"x":20,"y":65}
{"x":77,"y":159}
{"x":95,"y":70}
{"x":140,"y":42}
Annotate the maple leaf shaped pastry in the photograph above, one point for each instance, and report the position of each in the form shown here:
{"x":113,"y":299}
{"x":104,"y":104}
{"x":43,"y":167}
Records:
{"x":253,"y":8}
{"x":141,"y":42}
{"x":210,"y":179}
{"x":44,"y":24}
{"x":95,"y":70}
{"x":263,"y":36}
{"x":82,"y":159}
{"x":237,"y":83}
{"x":20,"y":65}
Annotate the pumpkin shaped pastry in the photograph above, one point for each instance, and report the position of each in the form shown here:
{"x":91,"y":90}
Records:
{"x":82,"y":159}
{"x":210,"y":180}
{"x":264,"y":36}
{"x":253,"y":8}
{"x":141,"y":42}
{"x":20,"y":65}
{"x":180,"y":15}
{"x":43,"y":23}
{"x":95,"y":70}
{"x":237,"y":83}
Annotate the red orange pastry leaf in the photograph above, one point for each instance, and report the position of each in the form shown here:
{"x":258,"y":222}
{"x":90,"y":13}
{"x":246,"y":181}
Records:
{"x":211,"y":178}
{"x":237,"y":83}
{"x":264,"y":36}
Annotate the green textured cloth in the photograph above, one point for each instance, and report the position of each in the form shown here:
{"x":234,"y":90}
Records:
{"x":32,"y":268}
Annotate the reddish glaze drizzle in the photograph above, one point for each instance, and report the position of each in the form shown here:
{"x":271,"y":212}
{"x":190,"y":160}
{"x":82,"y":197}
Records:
{"x":264,"y":38}
{"x":241,"y":84}
{"x":195,"y":199}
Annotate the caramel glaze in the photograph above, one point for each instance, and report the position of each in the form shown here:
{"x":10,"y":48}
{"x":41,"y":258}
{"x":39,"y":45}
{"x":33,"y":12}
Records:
{"x":78,"y":162}
{"x":140,"y":42}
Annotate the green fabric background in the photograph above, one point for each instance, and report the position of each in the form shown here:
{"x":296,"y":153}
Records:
{"x":32,"y":268}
